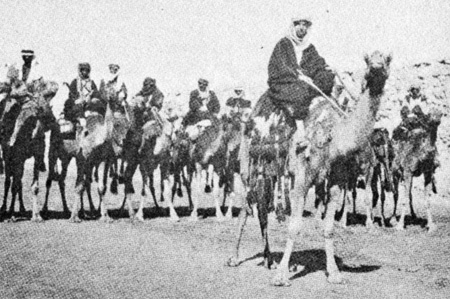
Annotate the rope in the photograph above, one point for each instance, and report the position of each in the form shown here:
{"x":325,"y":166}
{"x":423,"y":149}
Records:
{"x":332,"y":102}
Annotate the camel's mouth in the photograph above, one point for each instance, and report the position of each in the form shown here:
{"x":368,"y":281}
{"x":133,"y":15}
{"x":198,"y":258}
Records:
{"x":377,"y":71}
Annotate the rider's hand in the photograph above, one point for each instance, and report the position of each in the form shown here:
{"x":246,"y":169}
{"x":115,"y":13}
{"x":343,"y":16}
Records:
{"x":79,"y":101}
{"x":304,"y":78}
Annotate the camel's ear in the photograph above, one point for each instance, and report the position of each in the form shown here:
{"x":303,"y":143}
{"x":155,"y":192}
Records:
{"x":366,"y":58}
{"x":389,"y":58}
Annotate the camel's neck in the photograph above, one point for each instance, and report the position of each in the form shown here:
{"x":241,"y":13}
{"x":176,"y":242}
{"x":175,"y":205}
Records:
{"x":352,"y":133}
{"x":109,"y":120}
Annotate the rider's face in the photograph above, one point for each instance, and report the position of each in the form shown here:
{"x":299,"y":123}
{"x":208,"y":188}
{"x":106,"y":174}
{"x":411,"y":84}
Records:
{"x":202,"y":86}
{"x":27,"y":58}
{"x":113,"y":70}
{"x":84,"y":73}
{"x":301,"y":28}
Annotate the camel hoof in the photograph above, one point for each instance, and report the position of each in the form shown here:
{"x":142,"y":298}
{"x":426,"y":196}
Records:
{"x":174,"y":218}
{"x":105,"y":219}
{"x":193,"y":218}
{"x":336,"y":278}
{"x":220,"y":217}
{"x":233,"y":262}
{"x":431,"y":228}
{"x":179,"y":193}
{"x":274,"y":266}
{"x":400,"y":227}
{"x":229,"y":216}
{"x":393,"y":222}
{"x":140,"y":218}
{"x":369,"y":224}
{"x":37,"y":219}
{"x":280,"y":280}
{"x":75,"y":219}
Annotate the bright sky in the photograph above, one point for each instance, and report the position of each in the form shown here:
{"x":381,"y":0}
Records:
{"x":227,"y":42}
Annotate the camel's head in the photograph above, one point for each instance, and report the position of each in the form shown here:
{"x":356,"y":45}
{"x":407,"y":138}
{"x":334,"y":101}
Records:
{"x":422,"y":144}
{"x":377,"y":72}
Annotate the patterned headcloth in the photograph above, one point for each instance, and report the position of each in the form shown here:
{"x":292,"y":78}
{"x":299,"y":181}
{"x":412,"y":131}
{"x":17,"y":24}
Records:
{"x":203,"y":81}
{"x":27,"y":53}
{"x":149,"y":81}
{"x":84,"y":66}
{"x":113,"y":65}
{"x":292,"y":34}
{"x":306,"y":19}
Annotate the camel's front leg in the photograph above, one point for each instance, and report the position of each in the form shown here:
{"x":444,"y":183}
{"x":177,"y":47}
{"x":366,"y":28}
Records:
{"x":35,"y":216}
{"x":196,"y":193}
{"x":243,"y":215}
{"x":216,"y":193}
{"x":169,"y":199}
{"x":403,"y":194}
{"x":101,"y":188}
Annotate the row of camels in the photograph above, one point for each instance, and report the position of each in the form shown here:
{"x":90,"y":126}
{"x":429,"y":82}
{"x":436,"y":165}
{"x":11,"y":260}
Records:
{"x":342,"y":152}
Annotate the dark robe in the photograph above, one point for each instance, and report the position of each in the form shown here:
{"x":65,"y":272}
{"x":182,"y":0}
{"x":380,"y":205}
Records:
{"x":286,"y":91}
{"x":195,"y":103}
{"x":242,"y":103}
{"x":73,"y":111}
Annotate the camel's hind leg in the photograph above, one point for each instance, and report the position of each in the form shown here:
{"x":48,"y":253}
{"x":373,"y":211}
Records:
{"x":264,"y":196}
{"x":216,"y":192}
{"x":243,"y":215}
{"x":298,"y":194}
{"x":334,"y":276}
{"x":62,"y":184}
{"x":426,"y":193}
{"x":167,"y":191}
{"x":196,"y":187}
{"x":7,"y":186}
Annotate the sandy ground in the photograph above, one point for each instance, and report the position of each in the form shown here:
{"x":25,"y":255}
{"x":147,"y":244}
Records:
{"x":162,"y":259}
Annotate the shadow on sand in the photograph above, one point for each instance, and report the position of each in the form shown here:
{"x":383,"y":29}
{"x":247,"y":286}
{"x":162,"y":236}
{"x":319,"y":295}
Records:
{"x":312,"y":261}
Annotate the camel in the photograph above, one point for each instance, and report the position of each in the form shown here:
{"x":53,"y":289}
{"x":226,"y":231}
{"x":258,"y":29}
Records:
{"x":95,"y":148}
{"x":263,"y":174}
{"x":415,"y":154}
{"x":182,"y":166}
{"x":22,"y":139}
{"x":330,"y":156}
{"x":211,"y":155}
{"x":149,"y":148}
{"x":375,"y":168}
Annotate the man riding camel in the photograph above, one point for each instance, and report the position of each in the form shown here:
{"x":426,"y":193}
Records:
{"x":237,"y":104}
{"x":114,"y":89}
{"x":203,"y":109}
{"x":30,"y":67}
{"x":31,"y":86}
{"x":84,"y":98}
{"x":294,"y":67}
{"x":147,"y":101}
